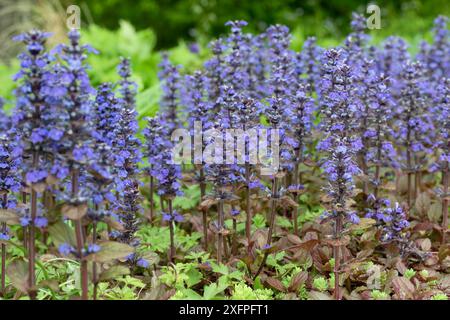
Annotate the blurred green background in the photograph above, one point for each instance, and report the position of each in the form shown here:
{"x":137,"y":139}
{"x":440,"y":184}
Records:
{"x":140,"y":29}
{"x":173,"y":20}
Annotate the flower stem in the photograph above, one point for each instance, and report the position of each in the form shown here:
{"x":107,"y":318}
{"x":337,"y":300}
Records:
{"x":204,"y":211}
{"x":94,"y":264}
{"x":417,"y":181}
{"x":378,"y":163}
{"x":336,"y":256}
{"x":80,"y":242}
{"x":25,"y":229}
{"x":248,"y":221}
{"x":272,"y":210}
{"x":220,"y":227}
{"x":234,"y":245}
{"x":31,"y":235}
{"x":152,"y":200}
{"x":171,"y":230}
{"x":271,"y":224}
{"x":297,"y":182}
{"x":408,"y":163}
{"x":445,"y":175}
{"x":3,"y":291}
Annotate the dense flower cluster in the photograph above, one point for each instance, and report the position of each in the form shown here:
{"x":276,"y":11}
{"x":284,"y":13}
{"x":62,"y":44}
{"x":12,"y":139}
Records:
{"x":308,"y":63}
{"x":436,"y":56}
{"x":338,"y":105}
{"x":441,"y":117}
{"x":106,"y":115}
{"x":10,"y":161}
{"x":5,"y":120}
{"x":127,"y":146}
{"x":33,"y":118}
{"x":170,"y":82}
{"x":72,"y":79}
{"x":414,"y":125}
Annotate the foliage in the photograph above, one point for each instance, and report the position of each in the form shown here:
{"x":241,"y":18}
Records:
{"x":327,"y":20}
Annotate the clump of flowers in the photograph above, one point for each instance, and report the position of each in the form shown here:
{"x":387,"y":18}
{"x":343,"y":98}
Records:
{"x":34,"y":120}
{"x":170,"y":81}
{"x":73,"y":163}
{"x":414,"y":126}
{"x":338,"y":106}
{"x":10,"y":160}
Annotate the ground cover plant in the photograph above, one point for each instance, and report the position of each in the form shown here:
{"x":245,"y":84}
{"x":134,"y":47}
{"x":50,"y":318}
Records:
{"x":96,"y":204}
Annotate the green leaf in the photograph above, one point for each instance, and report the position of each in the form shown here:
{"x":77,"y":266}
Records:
{"x":188,"y":294}
{"x":8,"y":216}
{"x":151,"y":257}
{"x":62,"y":233}
{"x":257,"y":283}
{"x":52,"y":284}
{"x":194,"y":277}
{"x":423,"y":203}
{"x":111,"y":250}
{"x":283,"y":222}
{"x":435,"y":212}
{"x":147,"y":102}
{"x":17,"y":272}
{"x":258,"y":221}
{"x":134,"y":282}
{"x":214,"y":289}
{"x":74,"y":212}
{"x":114,"y":272}
{"x":220,"y":268}
{"x":190,"y":199}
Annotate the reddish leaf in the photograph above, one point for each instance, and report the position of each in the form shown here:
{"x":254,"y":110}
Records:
{"x":425,"y":244}
{"x":75,"y":212}
{"x":316,"y":295}
{"x":307,"y":245}
{"x":400,"y":266}
{"x":17,"y":272}
{"x":423,"y":203}
{"x":403,"y":288}
{"x":275,"y":284}
{"x":294,"y":239}
{"x":297,"y":281}
{"x":304,"y":258}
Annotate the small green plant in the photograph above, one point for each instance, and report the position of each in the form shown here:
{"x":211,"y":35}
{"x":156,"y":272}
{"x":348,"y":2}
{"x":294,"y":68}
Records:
{"x":331,"y":261}
{"x":303,"y":292}
{"x":320,"y":284}
{"x":127,"y":288}
{"x":258,"y":222}
{"x":432,"y":283}
{"x":213,"y":291}
{"x":289,"y":274}
{"x":410,"y":273}
{"x":243,"y":292}
{"x":439,"y":296}
{"x":424,"y":274}
{"x":331,"y":280}
{"x":181,"y":275}
{"x":379,"y":295}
